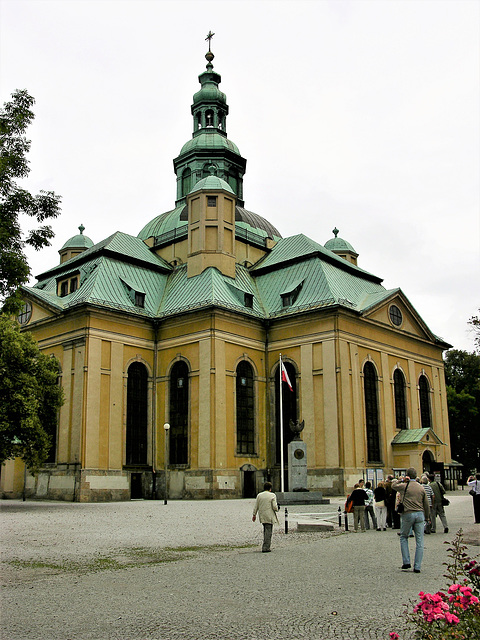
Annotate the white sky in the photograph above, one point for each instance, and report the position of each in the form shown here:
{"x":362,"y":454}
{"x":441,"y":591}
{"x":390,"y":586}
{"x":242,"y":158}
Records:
{"x":351,"y":113}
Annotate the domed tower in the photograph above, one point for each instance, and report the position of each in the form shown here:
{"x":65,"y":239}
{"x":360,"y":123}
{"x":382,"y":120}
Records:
{"x":75,"y":245}
{"x":209,"y":152}
{"x":342,"y":248}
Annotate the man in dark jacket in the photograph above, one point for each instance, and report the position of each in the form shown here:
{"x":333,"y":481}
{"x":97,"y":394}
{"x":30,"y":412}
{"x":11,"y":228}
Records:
{"x":358,"y":497}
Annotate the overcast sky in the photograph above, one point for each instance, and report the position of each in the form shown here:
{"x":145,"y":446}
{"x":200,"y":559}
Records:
{"x":362,"y":115}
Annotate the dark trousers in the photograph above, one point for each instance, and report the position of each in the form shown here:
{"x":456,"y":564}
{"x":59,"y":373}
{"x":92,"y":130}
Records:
{"x":267,"y":536}
{"x":476,"y":507}
{"x":370,"y":512}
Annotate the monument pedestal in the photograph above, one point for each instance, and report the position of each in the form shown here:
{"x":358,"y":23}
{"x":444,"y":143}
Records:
{"x":288,"y":498}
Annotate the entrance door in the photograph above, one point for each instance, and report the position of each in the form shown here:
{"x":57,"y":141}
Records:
{"x":136,"y":486}
{"x":249,"y":484}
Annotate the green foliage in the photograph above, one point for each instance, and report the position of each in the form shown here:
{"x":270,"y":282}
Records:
{"x":15,"y":116}
{"x":474,"y":322}
{"x":30,"y":397}
{"x":462,"y":375}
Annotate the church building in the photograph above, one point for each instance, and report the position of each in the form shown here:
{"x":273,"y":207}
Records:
{"x":169,"y":345}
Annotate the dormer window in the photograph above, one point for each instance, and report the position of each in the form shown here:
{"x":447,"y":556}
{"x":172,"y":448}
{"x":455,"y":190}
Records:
{"x":68,"y":285}
{"x":139,"y":299}
{"x":248,"y":298}
{"x":289,"y":297}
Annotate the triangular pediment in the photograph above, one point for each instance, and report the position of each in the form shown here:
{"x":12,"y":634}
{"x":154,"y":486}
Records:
{"x":396,"y":312}
{"x":38,"y":306}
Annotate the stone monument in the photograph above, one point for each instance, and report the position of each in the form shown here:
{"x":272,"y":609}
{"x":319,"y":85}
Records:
{"x":298,"y":492}
{"x":297,"y":459}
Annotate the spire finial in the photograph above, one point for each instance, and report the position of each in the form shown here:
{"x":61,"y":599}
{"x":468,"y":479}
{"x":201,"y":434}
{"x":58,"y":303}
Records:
{"x":81,"y":228}
{"x":209,"y":56}
{"x":335,"y":232}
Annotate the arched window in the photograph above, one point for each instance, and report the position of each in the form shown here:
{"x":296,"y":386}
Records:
{"x":186,"y":181}
{"x":400,"y":399}
{"x":424,"y":394}
{"x":179,"y":413}
{"x":371,"y":412}
{"x":209,"y":118}
{"x":137,"y":414}
{"x":289,"y":402}
{"x":245,"y":409}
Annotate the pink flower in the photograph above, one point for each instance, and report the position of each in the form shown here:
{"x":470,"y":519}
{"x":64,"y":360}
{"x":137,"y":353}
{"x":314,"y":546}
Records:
{"x":394,"y":636}
{"x":452,"y":618}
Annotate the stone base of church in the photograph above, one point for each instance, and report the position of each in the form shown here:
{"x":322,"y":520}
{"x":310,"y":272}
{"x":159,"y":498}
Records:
{"x":70,"y":483}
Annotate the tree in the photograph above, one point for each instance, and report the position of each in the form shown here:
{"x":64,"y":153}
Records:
{"x":30,"y":397}
{"x":474,"y":322}
{"x":462,"y":375}
{"x":15,"y":201}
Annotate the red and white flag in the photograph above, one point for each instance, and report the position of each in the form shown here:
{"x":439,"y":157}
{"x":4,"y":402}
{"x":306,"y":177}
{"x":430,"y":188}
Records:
{"x":285,"y":377}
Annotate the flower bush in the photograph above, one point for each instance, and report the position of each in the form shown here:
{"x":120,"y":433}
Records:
{"x":454,"y":615}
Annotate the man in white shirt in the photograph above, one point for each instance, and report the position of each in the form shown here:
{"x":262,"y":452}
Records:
{"x":266,"y":506}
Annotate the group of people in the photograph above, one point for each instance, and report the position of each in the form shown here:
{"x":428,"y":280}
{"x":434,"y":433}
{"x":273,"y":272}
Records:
{"x":421,"y":499}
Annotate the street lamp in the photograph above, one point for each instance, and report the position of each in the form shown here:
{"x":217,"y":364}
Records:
{"x":166,"y":426}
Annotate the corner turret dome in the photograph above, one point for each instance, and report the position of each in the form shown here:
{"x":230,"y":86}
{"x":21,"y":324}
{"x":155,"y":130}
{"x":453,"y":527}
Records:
{"x":341,"y":248}
{"x":75,"y":245}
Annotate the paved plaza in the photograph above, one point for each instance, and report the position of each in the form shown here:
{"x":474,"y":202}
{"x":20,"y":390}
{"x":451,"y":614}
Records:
{"x":192,"y":570}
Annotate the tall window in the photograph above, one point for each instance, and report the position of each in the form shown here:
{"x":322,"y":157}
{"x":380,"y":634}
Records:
{"x":424,"y":393}
{"x":186,"y":181}
{"x":179,"y":414}
{"x":400,"y":399}
{"x":371,"y":412}
{"x":289,"y":401}
{"x":137,"y":414}
{"x":245,"y":409}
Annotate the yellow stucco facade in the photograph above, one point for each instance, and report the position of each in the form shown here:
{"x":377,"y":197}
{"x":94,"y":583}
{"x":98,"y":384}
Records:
{"x":185,"y":324}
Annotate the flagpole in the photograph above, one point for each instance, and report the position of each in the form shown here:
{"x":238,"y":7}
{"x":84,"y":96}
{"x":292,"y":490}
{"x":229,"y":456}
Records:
{"x":282,"y":478}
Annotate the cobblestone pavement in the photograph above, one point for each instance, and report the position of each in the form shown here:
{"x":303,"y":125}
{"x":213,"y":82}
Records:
{"x":193,"y":570}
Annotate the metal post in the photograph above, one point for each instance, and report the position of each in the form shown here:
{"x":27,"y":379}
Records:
{"x":286,"y":520}
{"x":339,"y":517}
{"x":166,"y":427}
{"x":346,"y":520}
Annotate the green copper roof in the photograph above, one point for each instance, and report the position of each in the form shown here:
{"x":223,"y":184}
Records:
{"x":412,"y":436}
{"x":213,"y":183}
{"x":209,"y":140}
{"x":165,"y":223}
{"x":120,"y":245}
{"x":298,"y":247}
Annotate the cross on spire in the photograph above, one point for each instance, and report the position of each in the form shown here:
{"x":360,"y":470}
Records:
{"x":209,"y":38}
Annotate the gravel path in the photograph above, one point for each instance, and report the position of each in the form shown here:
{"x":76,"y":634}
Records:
{"x":192,"y":570}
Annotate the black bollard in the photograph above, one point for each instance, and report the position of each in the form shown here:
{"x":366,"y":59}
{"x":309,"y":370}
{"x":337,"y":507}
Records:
{"x":339,"y":517}
{"x":286,"y":520}
{"x":346,"y":520}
